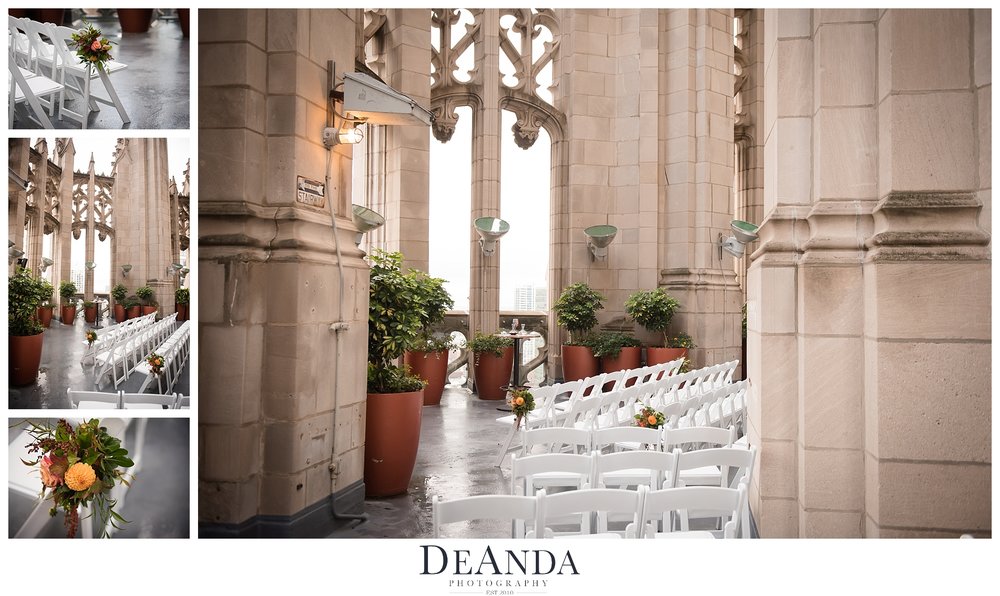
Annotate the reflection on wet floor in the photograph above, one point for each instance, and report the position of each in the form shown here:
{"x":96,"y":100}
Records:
{"x":62,"y":348}
{"x":458,"y":445}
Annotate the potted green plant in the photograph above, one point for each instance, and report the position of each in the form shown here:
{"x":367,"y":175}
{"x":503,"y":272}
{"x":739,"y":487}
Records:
{"x":67,"y":290}
{"x":395,"y":397}
{"x":492,"y":362}
{"x":46,"y":308}
{"x":133,"y":308}
{"x":24,"y":332}
{"x":617,"y":351}
{"x":428,"y":357}
{"x":576,"y":310}
{"x":89,"y":311}
{"x":678,"y":345}
{"x":119,"y":292}
{"x":135,"y":20}
{"x":182,"y":297}
{"x":653,"y":309}
{"x":145,"y":293}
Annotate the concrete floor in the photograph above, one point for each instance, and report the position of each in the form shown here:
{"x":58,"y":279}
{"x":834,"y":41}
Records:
{"x":155,"y":88}
{"x":458,"y":443}
{"x":156,"y":505}
{"x":62,"y":348}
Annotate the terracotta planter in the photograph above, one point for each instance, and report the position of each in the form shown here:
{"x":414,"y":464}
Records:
{"x":25,"y":358}
{"x":182,"y":312}
{"x":662,"y":355}
{"x":628,"y":358}
{"x":146,"y":310}
{"x":135,"y":20}
{"x":119,"y":313}
{"x":392,"y":435}
{"x":90,"y":313}
{"x":45,"y":315}
{"x":133,"y":312}
{"x":578,"y":362}
{"x":184,"y":18}
{"x":431,"y":367}
{"x":68,"y":315}
{"x":492,"y":373}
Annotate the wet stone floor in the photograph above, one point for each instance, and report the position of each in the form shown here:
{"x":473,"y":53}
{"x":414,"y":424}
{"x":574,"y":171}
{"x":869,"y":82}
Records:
{"x":62,"y":348}
{"x":459,"y":441}
{"x":154,"y":88}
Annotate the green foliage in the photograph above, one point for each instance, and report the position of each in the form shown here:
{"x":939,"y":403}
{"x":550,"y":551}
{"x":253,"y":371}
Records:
{"x":744,"y":309}
{"x":45,"y":292}
{"x":119,"y":292}
{"x":680,"y":340}
{"x":67,"y":289}
{"x":577,"y":309}
{"x":145,"y":293}
{"x":182,"y":295}
{"x":88,"y":303}
{"x":433,"y":342}
{"x":653,"y":309}
{"x":685,"y":366}
{"x":392,"y":379}
{"x":131,"y":302}
{"x":24,"y":295}
{"x":527,"y":401}
{"x":609,"y":344}
{"x":484,"y":343}
{"x":432,"y":300}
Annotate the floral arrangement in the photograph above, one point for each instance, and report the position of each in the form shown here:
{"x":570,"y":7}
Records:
{"x":521,"y":402}
{"x":92,"y":47}
{"x":79,"y":467}
{"x":91,"y":337}
{"x":680,"y":340}
{"x":155,"y":362}
{"x":649,"y":418}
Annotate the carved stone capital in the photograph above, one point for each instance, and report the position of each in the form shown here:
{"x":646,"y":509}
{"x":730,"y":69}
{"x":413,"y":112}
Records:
{"x":928,"y":226}
{"x":783,"y":233}
{"x":838,"y":230}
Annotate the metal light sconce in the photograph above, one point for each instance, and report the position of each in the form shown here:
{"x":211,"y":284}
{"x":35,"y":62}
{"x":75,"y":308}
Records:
{"x":174,"y":269}
{"x":490,"y":230}
{"x":13,"y":253}
{"x":743,"y":233}
{"x":366,"y":220}
{"x":90,"y":265}
{"x":45,"y":264}
{"x":183,"y":274}
{"x":598,"y":239}
{"x":125,"y":269}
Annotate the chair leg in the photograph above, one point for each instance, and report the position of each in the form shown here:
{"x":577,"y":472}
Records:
{"x":505,"y":446}
{"x":114,"y":96}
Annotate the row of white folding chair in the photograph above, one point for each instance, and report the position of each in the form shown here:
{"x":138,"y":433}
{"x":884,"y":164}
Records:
{"x":175,"y":352}
{"x":660,"y":513}
{"x":35,"y":90}
{"x":111,"y":354}
{"x":33,"y":57}
{"x":106,"y":337}
{"x":132,"y":348}
{"x":96,"y":400}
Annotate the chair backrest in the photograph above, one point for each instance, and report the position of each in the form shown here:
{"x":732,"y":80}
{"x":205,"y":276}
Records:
{"x":494,"y":507}
{"x":583,"y":412}
{"x":147,"y":400}
{"x":89,"y":400}
{"x":604,"y":438}
{"x":554,"y":440}
{"x":659,"y":504}
{"x":732,"y":462}
{"x":585,"y":507}
{"x":612,"y":381}
{"x":523,"y":469}
{"x":692,"y":437}
{"x":589,"y":386}
{"x":654,"y":467}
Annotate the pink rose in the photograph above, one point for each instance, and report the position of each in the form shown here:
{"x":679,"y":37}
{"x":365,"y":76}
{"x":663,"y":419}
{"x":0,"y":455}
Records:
{"x":96,"y":45}
{"x":53,"y":468}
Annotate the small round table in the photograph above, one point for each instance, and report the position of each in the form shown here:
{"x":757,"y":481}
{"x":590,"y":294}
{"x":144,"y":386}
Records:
{"x":515,"y":375}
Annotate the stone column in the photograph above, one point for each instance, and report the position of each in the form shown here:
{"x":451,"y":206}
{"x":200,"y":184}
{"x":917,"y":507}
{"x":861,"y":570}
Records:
{"x":407,"y":159}
{"x":36,"y":214}
{"x":17,"y":198}
{"x":62,"y":244}
{"x":484,"y":279}
{"x":698,"y":178}
{"x":88,"y":274}
{"x":282,"y":396}
{"x":927,"y":397}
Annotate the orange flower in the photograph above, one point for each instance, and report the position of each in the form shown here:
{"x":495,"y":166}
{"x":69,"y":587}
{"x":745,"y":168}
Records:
{"x":652,"y":419}
{"x":80,"y":476}
{"x":519,"y":401}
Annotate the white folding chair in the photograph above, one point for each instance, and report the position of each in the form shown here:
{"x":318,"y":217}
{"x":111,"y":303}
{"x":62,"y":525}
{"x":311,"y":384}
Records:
{"x":94,"y":400}
{"x":696,"y":438}
{"x":78,"y":77}
{"x":30,"y":90}
{"x":586,"y":511}
{"x":554,"y":440}
{"x":549,"y":470}
{"x":511,"y":508}
{"x":148,"y":401}
{"x":665,"y":512}
{"x":735,"y":466}
{"x":634,"y":468}
{"x":182,"y":402}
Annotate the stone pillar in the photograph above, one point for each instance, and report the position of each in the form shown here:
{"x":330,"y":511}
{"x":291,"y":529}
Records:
{"x":88,"y":274}
{"x":407,"y":159}
{"x":17,"y":198}
{"x":62,"y":244}
{"x":36,"y":213}
{"x":282,"y":396}
{"x":698,"y":181}
{"x":927,"y":396}
{"x":142,"y":215}
{"x":484,"y":281}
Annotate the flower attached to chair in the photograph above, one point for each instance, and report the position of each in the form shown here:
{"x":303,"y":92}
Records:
{"x":91,"y":337}
{"x":79,"y":466}
{"x":155,"y":362}
{"x":649,"y":418}
{"x":521,"y":402}
{"x":92,"y":47}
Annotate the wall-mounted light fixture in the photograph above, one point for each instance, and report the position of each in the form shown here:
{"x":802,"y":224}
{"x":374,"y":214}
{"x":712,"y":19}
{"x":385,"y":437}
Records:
{"x":90,"y":265}
{"x":366,"y":220}
{"x":174,"y":269}
{"x":125,"y":269}
{"x":45,"y":264}
{"x":743,"y":233}
{"x":598,"y":239}
{"x":183,"y":273}
{"x":490,"y":230}
{"x":13,"y":253}
{"x":366,"y":99}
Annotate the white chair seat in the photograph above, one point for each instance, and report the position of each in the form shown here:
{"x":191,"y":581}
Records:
{"x":91,"y":405}
{"x":704,"y":476}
